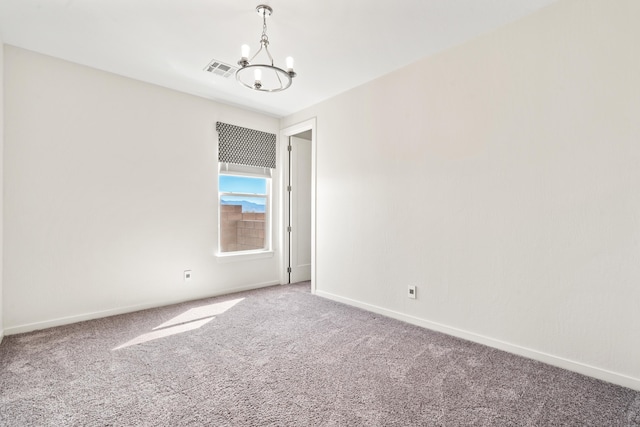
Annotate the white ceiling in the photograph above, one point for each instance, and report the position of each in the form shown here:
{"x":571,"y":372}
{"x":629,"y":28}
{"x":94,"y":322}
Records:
{"x":337,"y":44}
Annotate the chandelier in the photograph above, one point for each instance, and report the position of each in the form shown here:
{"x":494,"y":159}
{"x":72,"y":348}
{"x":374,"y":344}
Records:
{"x":263,"y":77}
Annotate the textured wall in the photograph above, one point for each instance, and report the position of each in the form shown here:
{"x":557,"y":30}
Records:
{"x":111,"y":193}
{"x":514,"y":160}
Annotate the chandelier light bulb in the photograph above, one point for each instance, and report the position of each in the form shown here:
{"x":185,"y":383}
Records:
{"x":289,"y":63}
{"x":257,"y":74}
{"x":245,"y":49}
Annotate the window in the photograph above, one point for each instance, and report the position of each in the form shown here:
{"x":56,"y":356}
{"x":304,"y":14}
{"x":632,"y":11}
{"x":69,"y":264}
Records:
{"x":246,"y":159}
{"x":244,"y":212}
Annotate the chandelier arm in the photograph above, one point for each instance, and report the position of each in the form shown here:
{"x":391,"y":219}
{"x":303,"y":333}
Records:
{"x":266,"y":48}
{"x":280,"y":80}
{"x":256,"y":54}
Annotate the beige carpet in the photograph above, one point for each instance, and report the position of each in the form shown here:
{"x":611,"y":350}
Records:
{"x":280,"y":356}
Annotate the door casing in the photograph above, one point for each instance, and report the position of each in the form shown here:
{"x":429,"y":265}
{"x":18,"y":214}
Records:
{"x":283,"y":160}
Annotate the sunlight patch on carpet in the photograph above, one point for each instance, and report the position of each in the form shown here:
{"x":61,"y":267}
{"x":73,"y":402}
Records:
{"x":190,"y":320}
{"x":200,"y":313}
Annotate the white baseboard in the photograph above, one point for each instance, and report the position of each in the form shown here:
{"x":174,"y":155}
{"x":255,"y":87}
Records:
{"x":581,"y":368}
{"x":28,"y":327}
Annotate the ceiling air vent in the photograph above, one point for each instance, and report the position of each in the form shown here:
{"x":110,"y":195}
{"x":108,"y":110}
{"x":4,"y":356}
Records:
{"x":220,"y":68}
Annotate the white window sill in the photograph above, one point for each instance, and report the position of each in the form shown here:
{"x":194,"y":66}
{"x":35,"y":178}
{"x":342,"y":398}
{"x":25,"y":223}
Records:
{"x":243,"y":256}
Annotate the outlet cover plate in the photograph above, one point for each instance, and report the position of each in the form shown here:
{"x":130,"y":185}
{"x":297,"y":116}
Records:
{"x":411,"y":292}
{"x":187,"y":275}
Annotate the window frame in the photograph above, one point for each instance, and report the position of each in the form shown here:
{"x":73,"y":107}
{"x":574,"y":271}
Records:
{"x":227,"y":169}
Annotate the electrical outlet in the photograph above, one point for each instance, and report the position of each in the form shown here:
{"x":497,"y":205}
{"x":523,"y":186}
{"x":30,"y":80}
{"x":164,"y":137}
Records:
{"x":187,"y":275}
{"x":412,"y":292}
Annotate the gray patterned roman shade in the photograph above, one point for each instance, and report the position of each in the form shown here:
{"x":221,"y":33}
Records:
{"x":243,"y":146}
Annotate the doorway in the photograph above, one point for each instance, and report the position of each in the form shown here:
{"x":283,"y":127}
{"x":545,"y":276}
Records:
{"x":298,"y":220}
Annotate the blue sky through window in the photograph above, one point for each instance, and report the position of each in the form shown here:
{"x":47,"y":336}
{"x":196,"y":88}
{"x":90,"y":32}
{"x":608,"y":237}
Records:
{"x":242,"y":184}
{"x":247,"y":185}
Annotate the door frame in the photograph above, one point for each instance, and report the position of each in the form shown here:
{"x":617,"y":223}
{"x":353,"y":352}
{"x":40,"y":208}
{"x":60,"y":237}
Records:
{"x":284,"y":243}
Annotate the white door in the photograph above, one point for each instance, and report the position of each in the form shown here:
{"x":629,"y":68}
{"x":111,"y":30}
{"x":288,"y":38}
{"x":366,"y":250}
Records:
{"x":299,"y":209}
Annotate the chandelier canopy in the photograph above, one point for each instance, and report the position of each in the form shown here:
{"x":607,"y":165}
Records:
{"x":263,"y":77}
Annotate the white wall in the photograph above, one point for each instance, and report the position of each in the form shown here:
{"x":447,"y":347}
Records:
{"x":501,"y":178}
{"x":1,"y":181}
{"x":110,"y":193}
